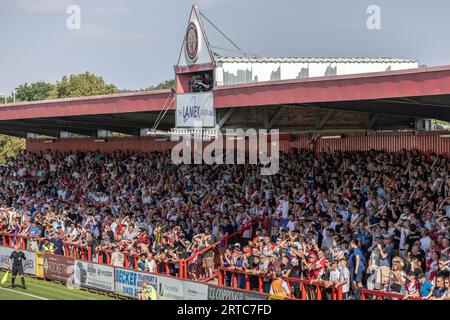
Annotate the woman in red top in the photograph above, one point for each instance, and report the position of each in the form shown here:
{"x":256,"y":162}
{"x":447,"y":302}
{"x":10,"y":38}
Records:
{"x":412,"y":286}
{"x":310,"y":263}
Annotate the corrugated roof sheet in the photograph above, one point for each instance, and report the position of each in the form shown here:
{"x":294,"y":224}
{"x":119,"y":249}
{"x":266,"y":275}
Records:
{"x":309,"y":60}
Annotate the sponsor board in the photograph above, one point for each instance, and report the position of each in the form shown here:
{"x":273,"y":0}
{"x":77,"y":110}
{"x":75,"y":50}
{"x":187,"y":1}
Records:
{"x":58,"y":268}
{"x":195,"y":291}
{"x":170,"y":289}
{"x":129,"y":283}
{"x":194,"y":110}
{"x":93,"y":275}
{"x":220,"y":293}
{"x":29,"y":264}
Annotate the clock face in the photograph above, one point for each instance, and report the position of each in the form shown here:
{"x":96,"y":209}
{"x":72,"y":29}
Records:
{"x":192,"y":42}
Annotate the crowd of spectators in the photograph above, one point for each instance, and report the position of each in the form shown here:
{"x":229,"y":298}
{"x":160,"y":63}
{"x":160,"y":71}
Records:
{"x":362,"y":219}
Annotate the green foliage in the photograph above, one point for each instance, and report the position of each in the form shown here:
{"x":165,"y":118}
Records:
{"x":441,"y":123}
{"x":81,"y":85}
{"x":9,"y":147}
{"x":86,"y":84}
{"x":33,"y":92}
{"x":168,"y":84}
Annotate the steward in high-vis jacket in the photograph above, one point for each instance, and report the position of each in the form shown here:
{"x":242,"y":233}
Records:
{"x":279,"y":287}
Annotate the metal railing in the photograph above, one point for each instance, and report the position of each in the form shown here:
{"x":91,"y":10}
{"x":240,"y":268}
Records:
{"x":301,"y":289}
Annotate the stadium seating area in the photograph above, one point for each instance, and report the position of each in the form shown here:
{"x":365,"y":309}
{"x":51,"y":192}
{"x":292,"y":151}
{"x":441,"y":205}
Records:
{"x":373,"y":220}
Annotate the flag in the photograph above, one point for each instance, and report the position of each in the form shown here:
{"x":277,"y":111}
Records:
{"x":5,"y":277}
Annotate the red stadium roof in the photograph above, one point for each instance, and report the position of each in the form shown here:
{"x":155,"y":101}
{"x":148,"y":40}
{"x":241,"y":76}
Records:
{"x":414,"y":93}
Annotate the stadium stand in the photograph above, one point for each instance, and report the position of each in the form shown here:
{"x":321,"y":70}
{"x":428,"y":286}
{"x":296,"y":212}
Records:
{"x":313,"y":221}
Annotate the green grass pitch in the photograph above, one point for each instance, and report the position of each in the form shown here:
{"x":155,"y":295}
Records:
{"x":45,"y":290}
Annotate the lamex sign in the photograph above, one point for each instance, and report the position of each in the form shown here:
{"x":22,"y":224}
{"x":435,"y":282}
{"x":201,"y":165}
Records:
{"x":194,"y":109}
{"x":29,"y":264}
{"x":129,"y":283}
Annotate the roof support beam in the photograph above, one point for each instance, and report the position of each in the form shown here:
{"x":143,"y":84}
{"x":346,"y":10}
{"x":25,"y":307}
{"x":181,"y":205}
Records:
{"x":372,"y":120}
{"x":225,"y":118}
{"x":319,"y":125}
{"x":33,"y":126}
{"x":80,"y":124}
{"x":89,"y":130}
{"x":124,"y":122}
{"x":23,"y":131}
{"x":13,"y":133}
{"x":273,"y":120}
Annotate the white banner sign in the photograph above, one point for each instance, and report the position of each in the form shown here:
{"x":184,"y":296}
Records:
{"x":195,"y":291}
{"x":195,"y":109}
{"x":170,"y":289}
{"x":29,"y":265}
{"x":129,"y":283}
{"x":92,"y":275}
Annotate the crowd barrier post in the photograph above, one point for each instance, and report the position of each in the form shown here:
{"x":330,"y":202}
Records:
{"x":40,"y":264}
{"x":220,"y":278}
{"x":184,"y":267}
{"x":380,"y":295}
{"x":306,"y":286}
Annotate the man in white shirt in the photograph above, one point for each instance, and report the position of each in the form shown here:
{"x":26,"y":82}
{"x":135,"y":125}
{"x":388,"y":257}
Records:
{"x":403,"y":227}
{"x":117,"y":258}
{"x":150,"y":263}
{"x":291,"y":224}
{"x":425,"y":240}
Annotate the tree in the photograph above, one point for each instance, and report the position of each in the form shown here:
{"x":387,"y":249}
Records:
{"x":9,"y":147}
{"x":81,"y":85}
{"x":168,"y":84}
{"x":33,"y":92}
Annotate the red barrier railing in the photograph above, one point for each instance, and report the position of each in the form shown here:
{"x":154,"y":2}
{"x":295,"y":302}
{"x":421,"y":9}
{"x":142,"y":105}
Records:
{"x":180,"y":268}
{"x":75,"y":250}
{"x":367,"y":294}
{"x":10,"y":240}
{"x":301,"y":289}
{"x":187,"y":266}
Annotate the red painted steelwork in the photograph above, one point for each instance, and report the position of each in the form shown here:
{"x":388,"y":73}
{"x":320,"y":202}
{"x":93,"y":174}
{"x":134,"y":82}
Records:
{"x":110,"y":104}
{"x":425,"y":142}
{"x":382,"y":85}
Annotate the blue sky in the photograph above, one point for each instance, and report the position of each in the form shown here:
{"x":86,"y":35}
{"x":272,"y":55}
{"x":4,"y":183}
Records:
{"x":135,"y":43}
